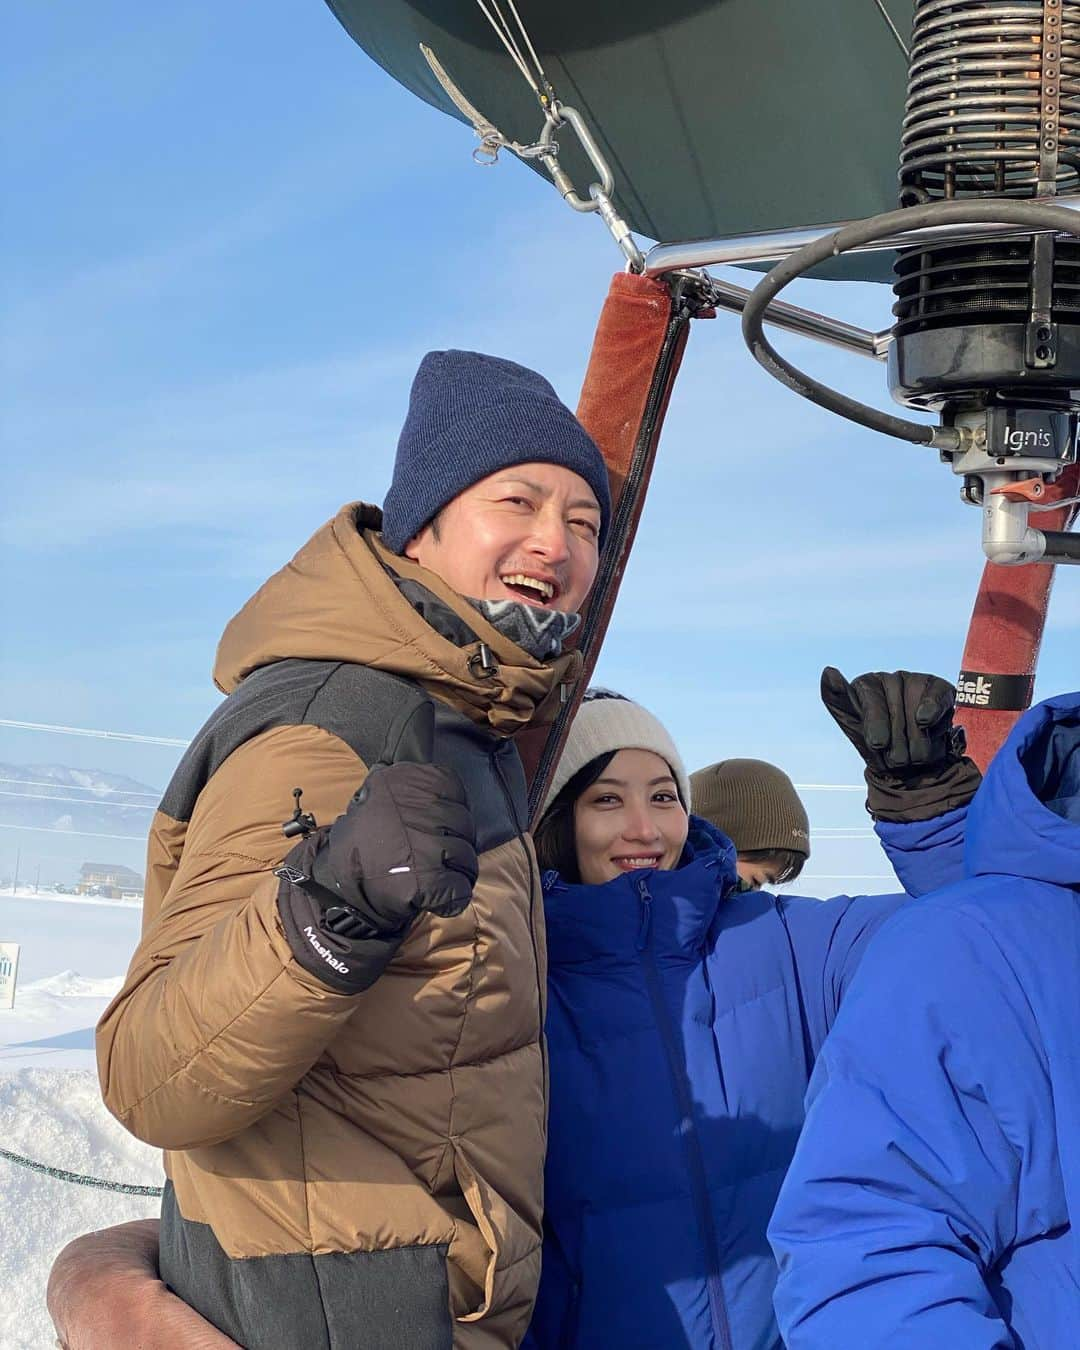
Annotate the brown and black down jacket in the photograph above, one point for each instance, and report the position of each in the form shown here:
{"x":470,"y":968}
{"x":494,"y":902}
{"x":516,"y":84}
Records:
{"x":345,"y":1170}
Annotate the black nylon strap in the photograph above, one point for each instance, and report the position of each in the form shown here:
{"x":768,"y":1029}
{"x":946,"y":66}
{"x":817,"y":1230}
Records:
{"x":348,"y":966}
{"x":999,"y":693}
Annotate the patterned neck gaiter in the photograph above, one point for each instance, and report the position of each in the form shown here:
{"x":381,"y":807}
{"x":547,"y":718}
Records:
{"x":540,"y":632}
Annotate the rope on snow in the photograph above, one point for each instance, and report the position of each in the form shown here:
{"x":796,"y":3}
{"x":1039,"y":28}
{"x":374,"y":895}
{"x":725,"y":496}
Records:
{"x":126,"y":1188}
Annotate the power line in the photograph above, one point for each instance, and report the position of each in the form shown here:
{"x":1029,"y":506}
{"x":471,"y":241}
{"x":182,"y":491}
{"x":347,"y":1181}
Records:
{"x":79,"y":787}
{"x":99,"y":735}
{"x":172,"y":740}
{"x":79,"y":801}
{"x":82,"y":834}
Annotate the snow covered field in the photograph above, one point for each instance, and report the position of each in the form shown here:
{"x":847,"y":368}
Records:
{"x":73,"y":956}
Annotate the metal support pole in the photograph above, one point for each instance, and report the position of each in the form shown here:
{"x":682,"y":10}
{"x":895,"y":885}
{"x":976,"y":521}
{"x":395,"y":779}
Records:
{"x":765,"y":246}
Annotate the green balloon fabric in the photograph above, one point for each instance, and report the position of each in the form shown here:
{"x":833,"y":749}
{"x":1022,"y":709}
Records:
{"x":717,"y":118}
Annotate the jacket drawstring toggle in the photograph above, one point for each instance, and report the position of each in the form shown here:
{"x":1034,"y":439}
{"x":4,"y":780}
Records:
{"x":482,"y":664}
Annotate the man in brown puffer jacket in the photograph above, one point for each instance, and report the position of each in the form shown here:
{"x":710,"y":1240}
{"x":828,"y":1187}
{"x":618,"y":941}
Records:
{"x":333,"y":1023}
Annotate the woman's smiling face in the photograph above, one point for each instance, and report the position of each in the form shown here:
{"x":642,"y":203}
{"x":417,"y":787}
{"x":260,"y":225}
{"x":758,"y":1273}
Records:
{"x":630,"y":818}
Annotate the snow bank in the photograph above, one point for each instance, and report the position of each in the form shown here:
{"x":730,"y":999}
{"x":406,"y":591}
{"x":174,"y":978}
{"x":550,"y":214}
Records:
{"x":52,"y":1023}
{"x":70,"y":984}
{"x":56,"y":1117}
{"x":51,"y":1111}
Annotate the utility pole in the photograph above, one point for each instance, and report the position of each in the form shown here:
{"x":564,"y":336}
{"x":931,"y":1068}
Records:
{"x":18,"y":859}
{"x":37,"y":879}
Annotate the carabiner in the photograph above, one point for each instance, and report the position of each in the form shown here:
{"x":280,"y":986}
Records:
{"x":549,"y":157}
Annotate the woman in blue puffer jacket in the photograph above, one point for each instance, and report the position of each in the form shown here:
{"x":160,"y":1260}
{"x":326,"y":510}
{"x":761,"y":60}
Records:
{"x":683,"y":1019}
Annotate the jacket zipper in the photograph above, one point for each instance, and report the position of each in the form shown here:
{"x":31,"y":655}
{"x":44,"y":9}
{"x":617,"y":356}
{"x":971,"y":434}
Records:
{"x":684,"y":1097}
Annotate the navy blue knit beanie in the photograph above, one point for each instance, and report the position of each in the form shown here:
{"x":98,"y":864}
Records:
{"x":469,"y":416}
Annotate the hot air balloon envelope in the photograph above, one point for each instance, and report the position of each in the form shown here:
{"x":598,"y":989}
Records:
{"x":717,"y":118}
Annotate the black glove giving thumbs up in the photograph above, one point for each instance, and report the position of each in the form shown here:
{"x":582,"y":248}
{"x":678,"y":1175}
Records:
{"x":901,"y":723}
{"x":404,"y":846}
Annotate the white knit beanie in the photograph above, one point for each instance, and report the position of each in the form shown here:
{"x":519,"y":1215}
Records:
{"x":607,"y":721}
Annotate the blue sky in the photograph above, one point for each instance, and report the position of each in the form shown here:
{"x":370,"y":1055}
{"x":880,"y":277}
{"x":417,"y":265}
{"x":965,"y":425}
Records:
{"x":228,"y":245}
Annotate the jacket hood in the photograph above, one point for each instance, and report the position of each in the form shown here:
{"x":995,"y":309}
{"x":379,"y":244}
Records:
{"x":608,"y":922}
{"x":337,"y":600}
{"x":1025,"y":818}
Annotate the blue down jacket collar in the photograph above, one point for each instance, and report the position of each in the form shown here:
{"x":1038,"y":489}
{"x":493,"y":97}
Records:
{"x":587,"y":923}
{"x":1019,"y":823}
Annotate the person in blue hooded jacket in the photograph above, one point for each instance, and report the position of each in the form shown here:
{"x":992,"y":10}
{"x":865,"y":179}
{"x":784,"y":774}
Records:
{"x":684,"y":1015}
{"x":934,"y":1200}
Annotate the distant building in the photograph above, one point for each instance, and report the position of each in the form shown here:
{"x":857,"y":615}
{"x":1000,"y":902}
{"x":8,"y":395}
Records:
{"x":112,"y":880}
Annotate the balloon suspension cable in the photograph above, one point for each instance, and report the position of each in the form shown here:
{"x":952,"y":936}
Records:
{"x":893,"y":28}
{"x":599,"y":195}
{"x":536,"y":76}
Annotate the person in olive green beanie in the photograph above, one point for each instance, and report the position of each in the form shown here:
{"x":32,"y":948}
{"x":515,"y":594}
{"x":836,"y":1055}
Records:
{"x":757,"y":807}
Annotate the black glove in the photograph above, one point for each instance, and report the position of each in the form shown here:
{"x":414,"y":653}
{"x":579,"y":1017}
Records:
{"x":350,"y":891}
{"x":901,"y":723}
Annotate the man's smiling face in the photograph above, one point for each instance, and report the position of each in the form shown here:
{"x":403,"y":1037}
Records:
{"x":528,"y":533}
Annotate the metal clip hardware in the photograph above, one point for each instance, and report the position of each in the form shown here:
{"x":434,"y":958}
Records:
{"x":302,"y":822}
{"x":563,"y":115}
{"x":599,"y":195}
{"x":491,"y":138}
{"x":482,"y":663}
{"x":557,"y":115}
